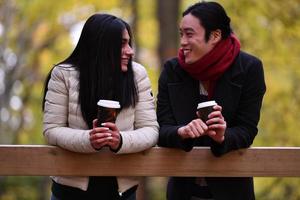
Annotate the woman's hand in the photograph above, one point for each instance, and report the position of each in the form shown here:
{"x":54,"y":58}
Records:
{"x":115,"y":140}
{"x":107,"y":135}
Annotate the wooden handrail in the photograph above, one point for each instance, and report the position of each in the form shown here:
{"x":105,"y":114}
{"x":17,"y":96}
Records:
{"x":42,"y":160}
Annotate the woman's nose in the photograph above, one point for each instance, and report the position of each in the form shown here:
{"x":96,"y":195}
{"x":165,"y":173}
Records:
{"x":129,"y":50}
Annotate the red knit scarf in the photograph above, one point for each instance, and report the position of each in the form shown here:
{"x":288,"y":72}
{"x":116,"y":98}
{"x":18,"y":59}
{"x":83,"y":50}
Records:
{"x":213,"y":64}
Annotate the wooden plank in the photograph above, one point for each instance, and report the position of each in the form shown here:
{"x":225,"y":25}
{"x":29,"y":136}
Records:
{"x":42,"y":160}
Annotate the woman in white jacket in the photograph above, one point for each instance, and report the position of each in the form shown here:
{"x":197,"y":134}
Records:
{"x":100,"y":67}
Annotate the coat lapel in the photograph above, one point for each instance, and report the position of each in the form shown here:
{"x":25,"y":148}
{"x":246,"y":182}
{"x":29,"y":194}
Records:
{"x":228,"y":89}
{"x":184,"y":96}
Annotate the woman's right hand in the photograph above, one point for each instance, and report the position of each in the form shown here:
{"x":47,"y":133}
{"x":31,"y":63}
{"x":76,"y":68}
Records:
{"x":99,"y":136}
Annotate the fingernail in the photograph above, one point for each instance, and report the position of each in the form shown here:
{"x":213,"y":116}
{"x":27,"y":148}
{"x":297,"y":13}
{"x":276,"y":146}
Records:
{"x":103,"y":124}
{"x":109,"y":138}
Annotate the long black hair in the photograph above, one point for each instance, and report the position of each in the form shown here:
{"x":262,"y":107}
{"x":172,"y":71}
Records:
{"x":212,"y":16}
{"x":97,"y":57}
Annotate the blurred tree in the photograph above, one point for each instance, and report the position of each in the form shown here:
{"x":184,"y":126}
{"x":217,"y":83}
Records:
{"x":167,"y":16}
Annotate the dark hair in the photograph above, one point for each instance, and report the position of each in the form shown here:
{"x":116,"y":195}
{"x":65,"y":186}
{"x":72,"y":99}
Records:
{"x":212,"y":16}
{"x":97,"y":57}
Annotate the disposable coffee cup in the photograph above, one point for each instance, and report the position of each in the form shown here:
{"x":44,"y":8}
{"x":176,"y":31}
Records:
{"x":204,"y":109}
{"x":107,"y":111}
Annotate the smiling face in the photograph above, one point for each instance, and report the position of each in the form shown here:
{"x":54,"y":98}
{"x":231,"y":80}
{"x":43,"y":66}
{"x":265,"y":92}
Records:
{"x":127,"y":51}
{"x":192,"y":39}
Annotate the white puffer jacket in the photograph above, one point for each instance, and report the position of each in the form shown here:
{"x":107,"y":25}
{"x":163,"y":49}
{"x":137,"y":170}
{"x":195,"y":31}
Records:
{"x":65,"y":127}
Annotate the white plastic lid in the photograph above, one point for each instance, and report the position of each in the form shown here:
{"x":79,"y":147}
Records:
{"x":206,"y":104}
{"x":108,"y":103}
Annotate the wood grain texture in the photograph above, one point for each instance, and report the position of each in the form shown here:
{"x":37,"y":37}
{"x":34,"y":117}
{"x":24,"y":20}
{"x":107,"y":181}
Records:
{"x":42,"y":160}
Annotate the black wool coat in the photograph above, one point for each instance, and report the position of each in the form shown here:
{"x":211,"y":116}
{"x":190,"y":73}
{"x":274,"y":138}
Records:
{"x":239,"y":91}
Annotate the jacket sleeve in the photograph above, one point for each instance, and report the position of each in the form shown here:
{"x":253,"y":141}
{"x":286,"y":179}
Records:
{"x":145,"y":133}
{"x":243,"y":129}
{"x":168,"y":136}
{"x":56,"y":114}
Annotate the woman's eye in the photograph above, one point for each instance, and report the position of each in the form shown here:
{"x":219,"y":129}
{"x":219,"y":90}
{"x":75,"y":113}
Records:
{"x":124,"y":42}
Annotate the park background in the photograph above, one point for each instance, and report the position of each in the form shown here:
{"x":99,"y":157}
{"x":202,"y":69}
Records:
{"x":36,"y":34}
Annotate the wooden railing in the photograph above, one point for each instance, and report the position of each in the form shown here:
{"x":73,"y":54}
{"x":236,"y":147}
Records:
{"x":42,"y":160}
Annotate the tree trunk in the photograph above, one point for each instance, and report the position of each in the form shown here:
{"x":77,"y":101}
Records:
{"x":167,"y":14}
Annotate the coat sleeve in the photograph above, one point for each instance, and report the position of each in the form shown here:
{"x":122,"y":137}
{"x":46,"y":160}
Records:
{"x":56,"y":112}
{"x":243,"y":129}
{"x":168,"y":136}
{"x":145,"y":133}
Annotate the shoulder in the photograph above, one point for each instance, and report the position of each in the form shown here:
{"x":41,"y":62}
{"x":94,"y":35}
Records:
{"x":63,"y":70}
{"x":249,"y":70}
{"x":63,"y":75}
{"x":139,"y":71}
{"x":141,"y":77}
{"x":173,"y":72}
{"x":171,"y":64}
{"x":66,"y":66}
{"x":247,"y":60}
{"x":246,"y":63}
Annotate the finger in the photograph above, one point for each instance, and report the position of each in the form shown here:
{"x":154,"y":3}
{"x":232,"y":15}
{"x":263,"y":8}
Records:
{"x":98,"y":130}
{"x":194,"y":131}
{"x":100,"y":143}
{"x":99,"y":136}
{"x":218,"y":126}
{"x":203,"y":125}
{"x":202,"y":129}
{"x":186,"y":132}
{"x":101,"y":129}
{"x":95,"y":121}
{"x":218,"y":108}
{"x":214,"y":121}
{"x":113,"y":145}
{"x":110,"y":125}
{"x":211,"y":133}
{"x":113,"y":141}
{"x":211,"y":121}
{"x":104,"y":140}
{"x":215,"y":114}
{"x":92,"y":132}
{"x":198,"y":127}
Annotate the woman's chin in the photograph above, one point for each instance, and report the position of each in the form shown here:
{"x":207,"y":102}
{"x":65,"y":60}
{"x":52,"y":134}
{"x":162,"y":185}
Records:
{"x":124,"y":68}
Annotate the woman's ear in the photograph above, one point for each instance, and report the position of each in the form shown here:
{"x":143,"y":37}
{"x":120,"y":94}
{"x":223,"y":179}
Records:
{"x":216,"y":36}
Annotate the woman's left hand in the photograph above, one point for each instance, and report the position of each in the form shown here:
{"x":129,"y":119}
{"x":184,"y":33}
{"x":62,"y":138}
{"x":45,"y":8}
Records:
{"x":115,"y":140}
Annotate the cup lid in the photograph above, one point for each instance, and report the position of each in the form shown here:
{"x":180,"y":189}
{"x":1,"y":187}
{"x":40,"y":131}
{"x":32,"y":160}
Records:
{"x":206,"y":104}
{"x":108,"y":103}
